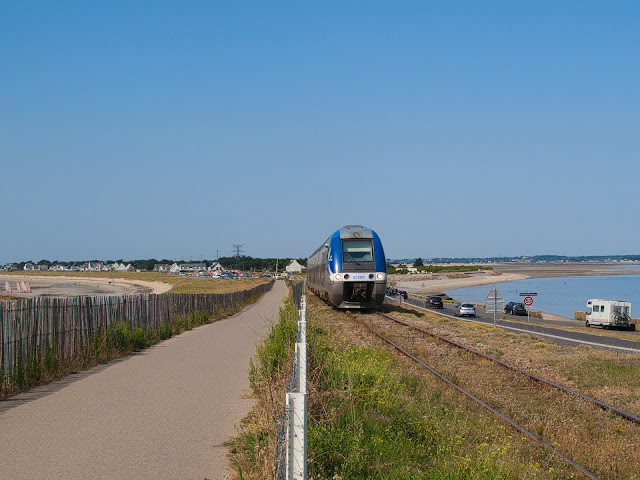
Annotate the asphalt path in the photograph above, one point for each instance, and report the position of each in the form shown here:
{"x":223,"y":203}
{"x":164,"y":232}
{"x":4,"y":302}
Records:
{"x":550,"y":329}
{"x":163,"y":413}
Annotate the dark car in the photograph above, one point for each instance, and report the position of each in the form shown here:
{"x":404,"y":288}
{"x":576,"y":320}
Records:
{"x":403,"y":294}
{"x":515,"y":308}
{"x":434,"y":301}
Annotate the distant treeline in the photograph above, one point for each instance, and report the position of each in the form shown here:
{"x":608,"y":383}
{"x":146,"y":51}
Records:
{"x":249,"y":263}
{"x":242,"y":263}
{"x":532,"y":259}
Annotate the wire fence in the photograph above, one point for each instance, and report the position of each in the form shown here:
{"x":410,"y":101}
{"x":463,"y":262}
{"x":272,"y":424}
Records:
{"x":68,"y":325}
{"x":291,"y":450}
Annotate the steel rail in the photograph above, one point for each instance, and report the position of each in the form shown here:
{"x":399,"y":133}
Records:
{"x":628,"y":416}
{"x":485,"y":405}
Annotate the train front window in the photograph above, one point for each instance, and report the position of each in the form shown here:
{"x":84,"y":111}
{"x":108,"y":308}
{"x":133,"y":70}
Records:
{"x":357,"y":251}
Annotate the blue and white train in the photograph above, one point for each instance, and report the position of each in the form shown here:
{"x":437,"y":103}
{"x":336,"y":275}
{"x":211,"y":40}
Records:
{"x":349,"y":270}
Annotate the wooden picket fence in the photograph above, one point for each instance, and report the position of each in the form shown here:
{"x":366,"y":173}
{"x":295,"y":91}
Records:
{"x":71,"y":323}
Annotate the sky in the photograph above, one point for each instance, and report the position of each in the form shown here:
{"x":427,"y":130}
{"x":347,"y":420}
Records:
{"x":157,"y":129}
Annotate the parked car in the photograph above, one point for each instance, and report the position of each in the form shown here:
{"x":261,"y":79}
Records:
{"x":403,"y":294}
{"x":434,"y":301}
{"x":515,"y":308}
{"x":463,"y":309}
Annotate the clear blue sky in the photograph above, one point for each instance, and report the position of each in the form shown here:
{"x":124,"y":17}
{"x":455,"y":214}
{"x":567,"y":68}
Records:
{"x":452,"y":128}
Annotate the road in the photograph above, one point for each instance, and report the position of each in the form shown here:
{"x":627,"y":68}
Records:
{"x":163,"y":413}
{"x":550,"y":329}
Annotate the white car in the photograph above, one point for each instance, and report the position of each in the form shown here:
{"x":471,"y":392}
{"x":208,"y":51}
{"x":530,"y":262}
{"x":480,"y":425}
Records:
{"x":463,"y":309}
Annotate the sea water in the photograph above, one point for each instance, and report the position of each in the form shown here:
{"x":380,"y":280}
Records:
{"x":561,"y":295}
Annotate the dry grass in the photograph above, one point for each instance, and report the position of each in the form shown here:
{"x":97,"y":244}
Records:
{"x":10,"y":297}
{"x":593,"y":371}
{"x":605,"y":444}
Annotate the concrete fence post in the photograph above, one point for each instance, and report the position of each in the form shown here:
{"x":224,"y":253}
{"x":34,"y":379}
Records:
{"x":297,"y":405}
{"x":296,"y":441}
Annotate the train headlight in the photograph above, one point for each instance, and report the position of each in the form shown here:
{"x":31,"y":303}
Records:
{"x":380,"y":276}
{"x":338,"y":276}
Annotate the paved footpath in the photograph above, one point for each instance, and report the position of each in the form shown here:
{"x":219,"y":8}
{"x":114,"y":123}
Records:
{"x":162,"y":413}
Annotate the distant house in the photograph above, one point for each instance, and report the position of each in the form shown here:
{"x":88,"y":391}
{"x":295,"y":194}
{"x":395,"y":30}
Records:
{"x":94,"y":266}
{"x":216,"y":267}
{"x":121,"y":267}
{"x":294,"y":267}
{"x":59,"y":268}
{"x":162,"y":267}
{"x":175,"y":268}
{"x":193,"y":267}
{"x":33,"y":266}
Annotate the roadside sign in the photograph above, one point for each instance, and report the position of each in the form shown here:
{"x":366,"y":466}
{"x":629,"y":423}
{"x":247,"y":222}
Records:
{"x":494,"y":301}
{"x":528,"y":301}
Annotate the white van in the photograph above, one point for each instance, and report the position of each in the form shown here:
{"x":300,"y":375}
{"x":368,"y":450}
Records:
{"x":609,"y":313}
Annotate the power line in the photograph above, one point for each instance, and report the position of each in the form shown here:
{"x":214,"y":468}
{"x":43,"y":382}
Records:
{"x":238,"y":249}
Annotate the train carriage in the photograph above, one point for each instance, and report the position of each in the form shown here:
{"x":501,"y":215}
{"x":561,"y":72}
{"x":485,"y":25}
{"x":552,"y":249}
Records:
{"x":349,"y":270}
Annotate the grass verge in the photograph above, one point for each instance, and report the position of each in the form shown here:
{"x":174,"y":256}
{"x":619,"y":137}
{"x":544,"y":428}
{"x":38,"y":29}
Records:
{"x":253,"y":451}
{"x":374,"y":415}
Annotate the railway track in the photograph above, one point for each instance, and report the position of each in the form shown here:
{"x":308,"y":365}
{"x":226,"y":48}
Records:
{"x":627,"y":416}
{"x":563,"y":420}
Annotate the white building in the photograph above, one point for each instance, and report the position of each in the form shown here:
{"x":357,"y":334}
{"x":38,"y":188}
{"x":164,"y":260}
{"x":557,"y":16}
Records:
{"x":193,"y":267}
{"x":216,"y":267}
{"x":121,"y":267}
{"x":294,"y":267}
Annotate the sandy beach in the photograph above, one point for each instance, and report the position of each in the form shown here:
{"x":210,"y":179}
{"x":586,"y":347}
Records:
{"x":62,"y":286}
{"x":435,"y":284}
{"x":438,"y":284}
